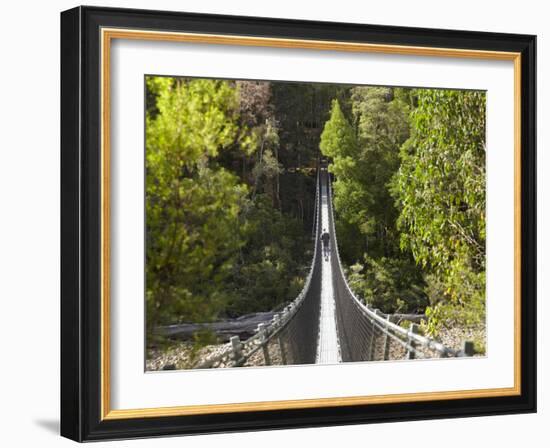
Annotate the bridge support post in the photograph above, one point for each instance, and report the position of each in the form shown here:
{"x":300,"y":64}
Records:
{"x":468,"y":348}
{"x":237,"y":350}
{"x":277,"y":320}
{"x":371,"y":337}
{"x":387,"y":339}
{"x":413,"y":329}
{"x":263,"y":340}
{"x":372,"y":354}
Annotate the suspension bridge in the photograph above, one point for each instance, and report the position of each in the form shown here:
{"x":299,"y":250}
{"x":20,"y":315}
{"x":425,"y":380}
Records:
{"x":327,"y":323}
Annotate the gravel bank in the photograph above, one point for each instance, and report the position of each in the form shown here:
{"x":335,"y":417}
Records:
{"x":180,"y":355}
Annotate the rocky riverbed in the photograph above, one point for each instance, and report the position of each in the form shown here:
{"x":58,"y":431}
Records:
{"x":181,"y":354}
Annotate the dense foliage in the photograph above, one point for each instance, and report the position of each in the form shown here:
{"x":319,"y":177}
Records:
{"x":364,"y":159}
{"x":230,"y":183}
{"x":440,"y":187}
{"x":193,"y":206}
{"x":409,"y":197}
{"x":229,"y":202}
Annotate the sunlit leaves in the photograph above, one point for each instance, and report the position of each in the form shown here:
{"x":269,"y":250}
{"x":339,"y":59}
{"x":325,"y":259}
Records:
{"x":364,"y":157}
{"x":193,"y":207}
{"x":216,"y":245}
{"x":440,"y":189}
{"x":338,"y":140}
{"x":402,"y":201}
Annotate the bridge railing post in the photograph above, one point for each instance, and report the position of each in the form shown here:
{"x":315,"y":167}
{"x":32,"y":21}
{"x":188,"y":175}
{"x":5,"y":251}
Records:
{"x":411,"y":351}
{"x":288,"y":310}
{"x":389,"y":318}
{"x":372,"y":354}
{"x":468,"y":348}
{"x":264,"y":342}
{"x":277,"y":320}
{"x":237,"y":350}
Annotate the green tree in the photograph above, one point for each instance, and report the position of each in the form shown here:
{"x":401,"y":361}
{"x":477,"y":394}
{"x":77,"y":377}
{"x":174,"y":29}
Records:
{"x":271,"y":266}
{"x":440,"y":190}
{"x":382,"y":126}
{"x":218,"y":242}
{"x":300,"y":111}
{"x":364,"y":157}
{"x":193,"y":206}
{"x":339,"y":142}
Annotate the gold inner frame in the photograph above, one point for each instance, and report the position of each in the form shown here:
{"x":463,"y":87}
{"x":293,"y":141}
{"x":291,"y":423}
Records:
{"x":107,"y":35}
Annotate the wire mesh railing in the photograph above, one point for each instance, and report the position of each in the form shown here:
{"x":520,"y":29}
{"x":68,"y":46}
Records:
{"x":364,"y":334}
{"x":369,"y":335}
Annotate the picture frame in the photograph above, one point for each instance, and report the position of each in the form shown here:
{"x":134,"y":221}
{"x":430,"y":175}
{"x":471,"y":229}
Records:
{"x":86,"y":309}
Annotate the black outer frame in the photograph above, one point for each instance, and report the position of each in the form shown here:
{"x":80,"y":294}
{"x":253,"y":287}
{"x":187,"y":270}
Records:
{"x":80,"y":223}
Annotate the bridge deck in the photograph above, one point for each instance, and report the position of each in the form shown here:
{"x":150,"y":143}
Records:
{"x":328,"y":350}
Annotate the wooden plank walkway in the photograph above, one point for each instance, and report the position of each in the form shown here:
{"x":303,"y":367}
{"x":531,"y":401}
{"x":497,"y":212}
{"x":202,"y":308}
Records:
{"x":328,"y":350}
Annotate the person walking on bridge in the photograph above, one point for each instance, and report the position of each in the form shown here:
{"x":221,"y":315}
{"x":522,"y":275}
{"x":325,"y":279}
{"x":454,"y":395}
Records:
{"x":325,"y":238}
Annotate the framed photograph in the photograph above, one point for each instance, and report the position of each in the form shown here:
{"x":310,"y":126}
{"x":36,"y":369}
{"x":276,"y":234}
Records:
{"x":273,"y":223}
